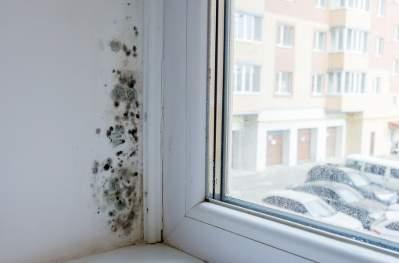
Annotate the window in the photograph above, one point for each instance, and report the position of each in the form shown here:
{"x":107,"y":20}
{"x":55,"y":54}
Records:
{"x":321,"y":3}
{"x":396,"y":67}
{"x":377,"y":85}
{"x":354,"y":164}
{"x":348,"y":39}
{"x":393,"y":226}
{"x":248,"y":27}
{"x":317,"y":84}
{"x":396,"y":33}
{"x":379,"y":46}
{"x":351,"y":4}
{"x":374,"y":169}
{"x":285,"y":35}
{"x":246,"y":78}
{"x":265,"y":146}
{"x":395,"y":173}
{"x":266,"y":232}
{"x":320,"y":41}
{"x":344,"y":82}
{"x":284,"y":83}
{"x":381,"y":8}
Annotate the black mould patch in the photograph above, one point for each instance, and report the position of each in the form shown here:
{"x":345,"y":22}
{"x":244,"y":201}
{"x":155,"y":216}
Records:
{"x":95,"y":167}
{"x":115,"y":45}
{"x":116,"y":135}
{"x":126,"y":50}
{"x":135,"y":30}
{"x":117,"y":179}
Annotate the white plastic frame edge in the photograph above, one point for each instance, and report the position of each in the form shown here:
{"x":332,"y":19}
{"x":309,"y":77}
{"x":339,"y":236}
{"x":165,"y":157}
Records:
{"x":152,"y":152}
{"x":210,"y":231}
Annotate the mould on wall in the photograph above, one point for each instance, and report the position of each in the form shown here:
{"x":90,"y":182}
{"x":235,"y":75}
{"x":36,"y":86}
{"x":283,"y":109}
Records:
{"x":117,"y":180}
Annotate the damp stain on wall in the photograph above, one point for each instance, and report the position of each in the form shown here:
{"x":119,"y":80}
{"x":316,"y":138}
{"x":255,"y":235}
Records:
{"x":117,"y":179}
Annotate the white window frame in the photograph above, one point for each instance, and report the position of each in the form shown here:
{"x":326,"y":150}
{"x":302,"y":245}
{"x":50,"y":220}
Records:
{"x":316,"y":41}
{"x":396,"y":33}
{"x":395,"y":69}
{"x":315,"y":82}
{"x":249,"y":36}
{"x":210,"y":231}
{"x":381,"y":7}
{"x":279,"y":85}
{"x":378,"y":84}
{"x":251,"y":69}
{"x":379,"y":46}
{"x":323,"y":4}
{"x":280,"y":35}
{"x":361,"y":5}
{"x":345,"y":39}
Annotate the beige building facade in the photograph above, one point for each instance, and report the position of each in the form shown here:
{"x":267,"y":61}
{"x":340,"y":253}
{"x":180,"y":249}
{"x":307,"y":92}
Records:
{"x":313,"y":81}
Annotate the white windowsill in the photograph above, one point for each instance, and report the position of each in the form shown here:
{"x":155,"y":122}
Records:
{"x":299,"y":243}
{"x":284,"y":46}
{"x":249,"y":41}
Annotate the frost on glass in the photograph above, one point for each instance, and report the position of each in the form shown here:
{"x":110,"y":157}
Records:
{"x":313,"y":125}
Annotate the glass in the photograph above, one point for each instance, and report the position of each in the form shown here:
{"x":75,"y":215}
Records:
{"x":271,"y":142}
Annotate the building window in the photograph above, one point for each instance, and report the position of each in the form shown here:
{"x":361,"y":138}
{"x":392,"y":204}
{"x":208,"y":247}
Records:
{"x":284,"y":83}
{"x":351,"y":4}
{"x":348,"y":39}
{"x":377,"y":85}
{"x":345,"y":82}
{"x":396,"y":66}
{"x":381,"y":8}
{"x":396,"y":33}
{"x":246,"y":78}
{"x":285,"y":35}
{"x":321,"y":3}
{"x":379,"y":47}
{"x":317,"y":84}
{"x":248,"y":27}
{"x":320,"y":41}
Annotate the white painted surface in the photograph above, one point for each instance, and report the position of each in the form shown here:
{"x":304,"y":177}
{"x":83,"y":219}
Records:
{"x":55,"y":61}
{"x":153,"y":26}
{"x":210,"y":231}
{"x":141,"y":254}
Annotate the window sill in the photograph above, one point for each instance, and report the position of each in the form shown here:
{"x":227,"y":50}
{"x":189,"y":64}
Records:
{"x":249,"y":41}
{"x":284,"y":46}
{"x":255,"y":93}
{"x":281,"y":94}
{"x":262,"y":235}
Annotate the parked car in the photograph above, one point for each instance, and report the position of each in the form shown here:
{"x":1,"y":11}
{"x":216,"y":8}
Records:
{"x":355,"y":180}
{"x":381,"y":171}
{"x":387,"y":227}
{"x":309,"y":206}
{"x":346,"y":200}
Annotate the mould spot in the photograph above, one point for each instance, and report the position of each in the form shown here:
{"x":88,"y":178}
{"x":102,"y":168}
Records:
{"x":126,"y":50}
{"x":117,"y":135}
{"x":95,"y":167}
{"x":117,"y":183}
{"x":135,"y":30}
{"x":115,"y":45}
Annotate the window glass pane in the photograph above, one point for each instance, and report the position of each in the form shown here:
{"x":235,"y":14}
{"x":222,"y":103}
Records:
{"x":317,"y":140}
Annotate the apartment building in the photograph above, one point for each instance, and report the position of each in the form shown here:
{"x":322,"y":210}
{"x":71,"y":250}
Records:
{"x":313,"y":80}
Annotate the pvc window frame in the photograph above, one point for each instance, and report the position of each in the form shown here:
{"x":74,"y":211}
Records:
{"x":176,"y":209}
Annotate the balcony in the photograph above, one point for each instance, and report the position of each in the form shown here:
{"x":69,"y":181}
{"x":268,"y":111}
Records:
{"x":351,"y":18}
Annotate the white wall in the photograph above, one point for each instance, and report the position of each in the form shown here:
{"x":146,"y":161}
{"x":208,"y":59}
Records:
{"x":55,"y":63}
